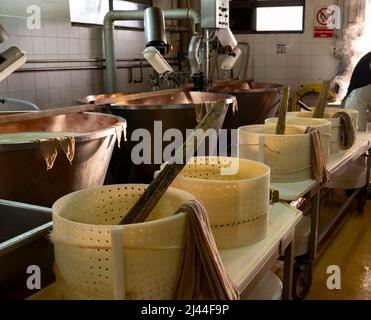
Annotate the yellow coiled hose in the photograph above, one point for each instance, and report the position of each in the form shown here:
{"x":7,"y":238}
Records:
{"x":308,"y":89}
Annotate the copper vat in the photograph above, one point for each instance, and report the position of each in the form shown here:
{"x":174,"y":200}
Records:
{"x":23,"y":174}
{"x":256,"y":102}
{"x":174,"y":110}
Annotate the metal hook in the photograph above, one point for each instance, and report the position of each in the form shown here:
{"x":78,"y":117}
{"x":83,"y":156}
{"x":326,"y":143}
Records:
{"x":130,"y":75}
{"x":141,"y":72}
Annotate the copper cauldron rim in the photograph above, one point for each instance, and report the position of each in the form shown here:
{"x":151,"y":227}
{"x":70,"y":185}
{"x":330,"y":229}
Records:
{"x":228,"y":88}
{"x":81,"y":137}
{"x":178,"y":105}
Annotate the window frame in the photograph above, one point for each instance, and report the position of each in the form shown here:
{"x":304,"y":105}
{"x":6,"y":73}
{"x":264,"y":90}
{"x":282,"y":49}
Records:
{"x":148,"y":3}
{"x":254,"y":4}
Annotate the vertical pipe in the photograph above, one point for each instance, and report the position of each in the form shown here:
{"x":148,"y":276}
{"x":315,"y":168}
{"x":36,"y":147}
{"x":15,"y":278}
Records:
{"x":206,"y":54}
{"x":110,"y":81}
{"x":109,"y":51}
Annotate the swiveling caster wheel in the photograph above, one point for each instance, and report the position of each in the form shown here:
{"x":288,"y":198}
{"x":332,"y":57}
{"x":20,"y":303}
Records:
{"x":302,"y":280}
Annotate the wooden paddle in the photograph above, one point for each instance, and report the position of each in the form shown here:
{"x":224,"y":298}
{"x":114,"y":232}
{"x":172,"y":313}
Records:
{"x":281,"y":122}
{"x":145,"y":204}
{"x":319,"y":109}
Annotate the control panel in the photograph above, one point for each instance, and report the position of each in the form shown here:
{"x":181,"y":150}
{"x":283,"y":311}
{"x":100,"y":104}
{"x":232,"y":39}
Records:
{"x":215,"y":14}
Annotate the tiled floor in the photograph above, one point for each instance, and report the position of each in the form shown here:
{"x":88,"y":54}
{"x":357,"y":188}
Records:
{"x":350,"y":249}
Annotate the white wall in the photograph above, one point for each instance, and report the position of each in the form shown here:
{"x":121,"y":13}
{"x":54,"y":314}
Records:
{"x":57,"y":39}
{"x":307,"y":59}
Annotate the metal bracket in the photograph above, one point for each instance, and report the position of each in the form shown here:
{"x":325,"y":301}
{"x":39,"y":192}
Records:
{"x":141,"y":72}
{"x":274,"y":196}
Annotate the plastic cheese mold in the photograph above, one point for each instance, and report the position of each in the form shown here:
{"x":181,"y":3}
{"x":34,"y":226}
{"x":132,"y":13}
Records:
{"x":323,"y":126}
{"x":235,"y":193}
{"x":83,"y":221}
{"x":335,"y":123}
{"x":288,"y":155}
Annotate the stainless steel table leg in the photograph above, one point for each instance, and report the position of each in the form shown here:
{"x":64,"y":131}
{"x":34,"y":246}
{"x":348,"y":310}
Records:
{"x":288,"y":271}
{"x":368,"y":172}
{"x":313,"y":238}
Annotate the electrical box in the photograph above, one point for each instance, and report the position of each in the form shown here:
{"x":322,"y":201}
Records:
{"x":215,"y":14}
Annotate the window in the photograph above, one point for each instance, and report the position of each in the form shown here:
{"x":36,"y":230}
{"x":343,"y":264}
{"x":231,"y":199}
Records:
{"x":92,"y":12}
{"x":88,"y":11}
{"x":267,"y":16}
{"x":127,"y":5}
{"x":279,"y":18}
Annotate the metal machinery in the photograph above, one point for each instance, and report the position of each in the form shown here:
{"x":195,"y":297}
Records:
{"x":174,"y":111}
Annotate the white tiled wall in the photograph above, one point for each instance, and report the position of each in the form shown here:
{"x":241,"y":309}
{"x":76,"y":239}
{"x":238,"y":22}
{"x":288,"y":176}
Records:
{"x":57,"y":39}
{"x":307,"y":59}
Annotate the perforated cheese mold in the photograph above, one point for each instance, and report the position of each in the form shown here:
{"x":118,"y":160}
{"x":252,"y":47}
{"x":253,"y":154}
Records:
{"x":335,"y":123}
{"x":82,"y":224}
{"x":287,"y":155}
{"x":236,"y":200}
{"x":323,"y":126}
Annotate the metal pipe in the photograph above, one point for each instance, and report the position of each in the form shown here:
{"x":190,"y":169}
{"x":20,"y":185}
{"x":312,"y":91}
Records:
{"x":88,"y":60}
{"x":193,"y":57}
{"x":111,"y":16}
{"x":72,"y":68}
{"x":206,"y":55}
{"x":246,"y":66}
{"x":194,"y":44}
{"x":19,"y":102}
{"x":109,"y":53}
{"x":183,"y":14}
{"x":154,"y":27}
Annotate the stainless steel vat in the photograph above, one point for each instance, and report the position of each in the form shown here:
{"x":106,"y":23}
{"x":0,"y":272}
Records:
{"x":24,"y":177}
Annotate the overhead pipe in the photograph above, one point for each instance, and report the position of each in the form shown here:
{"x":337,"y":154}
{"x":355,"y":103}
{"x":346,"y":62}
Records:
{"x":115,"y":15}
{"x":184,"y":14}
{"x":109,"y":50}
{"x":194,"y":44}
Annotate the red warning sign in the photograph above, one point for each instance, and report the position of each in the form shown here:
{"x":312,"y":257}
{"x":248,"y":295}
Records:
{"x":321,"y":21}
{"x":324,"y":32}
{"x":323,"y":16}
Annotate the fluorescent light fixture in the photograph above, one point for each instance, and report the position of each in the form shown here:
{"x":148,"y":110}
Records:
{"x":279,"y":18}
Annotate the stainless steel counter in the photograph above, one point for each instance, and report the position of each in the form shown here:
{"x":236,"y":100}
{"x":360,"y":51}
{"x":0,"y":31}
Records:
{"x":24,"y":241}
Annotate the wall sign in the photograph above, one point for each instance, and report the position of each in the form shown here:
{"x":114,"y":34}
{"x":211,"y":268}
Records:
{"x":326,"y":19}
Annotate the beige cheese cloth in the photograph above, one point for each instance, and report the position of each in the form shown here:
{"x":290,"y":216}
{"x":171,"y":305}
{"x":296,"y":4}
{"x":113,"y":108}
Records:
{"x":202,"y":274}
{"x":347,"y":135}
{"x":319,"y":170}
{"x":49,"y":149}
